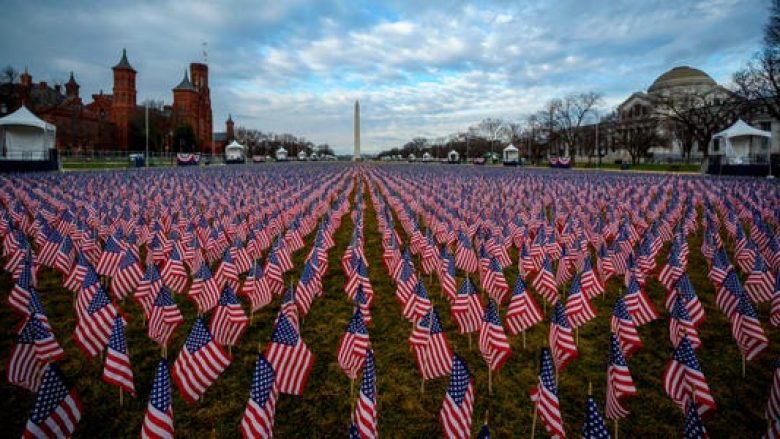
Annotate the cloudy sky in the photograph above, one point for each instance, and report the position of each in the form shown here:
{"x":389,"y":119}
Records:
{"x":419,"y":68}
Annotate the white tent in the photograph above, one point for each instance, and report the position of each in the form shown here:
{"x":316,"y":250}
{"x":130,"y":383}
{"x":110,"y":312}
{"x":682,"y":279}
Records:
{"x":302,"y":156}
{"x":511,"y":154}
{"x":427,"y":157}
{"x":453,"y":156}
{"x":23,"y":136}
{"x":235,"y":152}
{"x":281,"y":154}
{"x":412,"y":157}
{"x":737,"y":142}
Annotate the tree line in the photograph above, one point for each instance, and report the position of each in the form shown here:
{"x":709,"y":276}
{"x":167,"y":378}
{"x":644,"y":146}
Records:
{"x":266,"y":143}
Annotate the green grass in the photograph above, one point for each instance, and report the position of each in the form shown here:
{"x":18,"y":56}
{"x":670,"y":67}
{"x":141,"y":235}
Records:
{"x":682,"y":167}
{"x":404,"y":411}
{"x":94,"y":165}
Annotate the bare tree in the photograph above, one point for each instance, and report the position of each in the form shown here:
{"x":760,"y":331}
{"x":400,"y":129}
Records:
{"x":9,"y":74}
{"x":570,"y":115}
{"x":702,"y":114}
{"x":636,"y":136}
{"x":491,"y":129}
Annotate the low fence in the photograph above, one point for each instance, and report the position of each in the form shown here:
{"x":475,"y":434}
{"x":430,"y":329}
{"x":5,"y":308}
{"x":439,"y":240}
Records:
{"x":117,"y":157}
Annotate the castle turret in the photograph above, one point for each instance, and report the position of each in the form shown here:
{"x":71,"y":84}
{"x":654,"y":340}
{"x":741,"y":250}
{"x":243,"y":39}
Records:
{"x":123,"y":102}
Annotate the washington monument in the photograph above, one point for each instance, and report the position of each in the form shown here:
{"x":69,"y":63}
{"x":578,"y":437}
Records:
{"x":356,"y":155}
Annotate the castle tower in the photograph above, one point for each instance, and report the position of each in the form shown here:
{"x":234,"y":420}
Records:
{"x":356,"y":155}
{"x":72,"y":87}
{"x":203,"y":126}
{"x":25,"y":79}
{"x":185,"y":106}
{"x":123,"y":103}
{"x":229,"y":128}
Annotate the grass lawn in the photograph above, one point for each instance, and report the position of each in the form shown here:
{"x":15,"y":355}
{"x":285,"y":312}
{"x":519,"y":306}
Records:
{"x":404,"y":410}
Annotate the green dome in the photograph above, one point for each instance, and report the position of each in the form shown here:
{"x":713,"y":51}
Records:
{"x":681,"y":76}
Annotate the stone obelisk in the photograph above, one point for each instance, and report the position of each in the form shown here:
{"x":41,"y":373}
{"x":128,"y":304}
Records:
{"x":356,"y":155}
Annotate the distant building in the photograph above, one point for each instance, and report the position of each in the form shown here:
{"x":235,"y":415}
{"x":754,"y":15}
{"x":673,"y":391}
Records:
{"x":223,"y":138}
{"x":115,"y":121}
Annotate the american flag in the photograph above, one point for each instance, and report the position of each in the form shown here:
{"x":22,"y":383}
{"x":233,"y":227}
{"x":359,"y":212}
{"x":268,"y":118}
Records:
{"x":694,"y":429}
{"x":57,"y":410}
{"x":624,"y":328}
{"x":495,"y":282}
{"x":523,"y":312}
{"x":774,"y":315}
{"x":589,"y":282}
{"x":258,"y":419}
{"x":366,"y":407}
{"x":638,"y":304}
{"x":431,"y":349}
{"x":457,"y":409}
{"x":89,"y":288}
{"x":773,"y":403}
{"x":746,"y":330}
{"x":164,"y":319}
{"x":619,"y":381}
{"x":227,"y":273}
{"x":493,"y":343}
{"x":353,"y":345}
{"x":109,"y":260}
{"x":593,"y":427}
{"x":200,"y":362}
{"x":307,"y":289}
{"x":544,"y":283}
{"x":729,"y":294}
{"x":759,"y":284}
{"x":672,"y":270}
{"x":578,"y":308}
{"x":229,"y":321}
{"x":361,"y":303}
{"x":561,"y":338}
{"x":127,"y":276}
{"x":256,"y":288}
{"x":147,"y":289}
{"x":204,"y":290}
{"x":19,"y":298}
{"x":721,"y":267}
{"x":174,"y":273}
{"x":465,"y":258}
{"x":289,"y":356}
{"x":94,"y":328}
{"x":158,"y":420}
{"x":545,"y":397}
{"x":35,"y":347}
{"x":359,"y":276}
{"x":117,"y":369}
{"x":64,"y":257}
{"x":447,"y":275}
{"x":406,"y":282}
{"x":683,"y":377}
{"x":467,"y":309}
{"x":418,"y":304}
{"x":240,"y":256}
{"x":684,"y":290}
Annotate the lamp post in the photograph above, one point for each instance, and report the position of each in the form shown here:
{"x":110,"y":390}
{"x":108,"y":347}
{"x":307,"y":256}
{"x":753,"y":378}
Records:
{"x":146,"y":117}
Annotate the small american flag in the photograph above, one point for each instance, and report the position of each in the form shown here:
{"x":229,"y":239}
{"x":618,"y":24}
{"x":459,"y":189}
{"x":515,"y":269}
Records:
{"x":289,"y":356}
{"x":523,"y":312}
{"x":94,"y":328}
{"x":619,"y":381}
{"x":366,"y":407}
{"x":431,"y":349}
{"x":256,"y":287}
{"x":561,"y":338}
{"x":457,"y":409}
{"x":681,"y":325}
{"x":204,"y":290}
{"x":593,"y":427}
{"x":174,"y":273}
{"x":229,"y":321}
{"x":227,"y":273}
{"x":624,"y":328}
{"x":353,"y":345}
{"x":35,"y":347}
{"x":467,"y":309}
{"x":746,"y":330}
{"x":164,"y":319}
{"x":57,"y":410}
{"x":200,"y":362}
{"x":127,"y":276}
{"x":493,"y":343}
{"x":418,"y":304}
{"x":158,"y":420}
{"x":694,"y":429}
{"x":578,"y":308}
{"x":683,"y":377}
{"x":109,"y":260}
{"x":773,"y":403}
{"x":258,"y":419}
{"x":148,"y":288}
{"x":545,"y":397}
{"x":117,"y":369}
{"x":544,"y":283}
{"x":638,"y":304}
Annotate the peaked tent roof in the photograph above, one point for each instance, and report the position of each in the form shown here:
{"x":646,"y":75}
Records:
{"x":235,"y":144}
{"x":511,"y":148}
{"x":25,"y":117}
{"x":740,"y":128}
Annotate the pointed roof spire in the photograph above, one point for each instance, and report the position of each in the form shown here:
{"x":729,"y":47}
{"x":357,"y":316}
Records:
{"x":185,"y":83}
{"x":230,"y":118}
{"x":123,"y":63}
{"x":72,"y":80}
